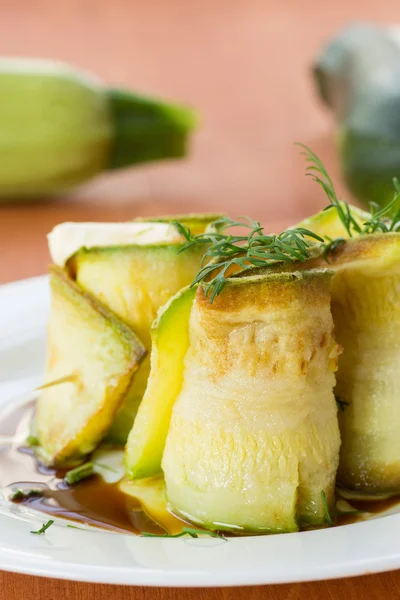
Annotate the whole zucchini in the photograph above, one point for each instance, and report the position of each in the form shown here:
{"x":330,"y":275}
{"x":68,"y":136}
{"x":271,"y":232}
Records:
{"x":357,"y":76}
{"x":60,"y":127}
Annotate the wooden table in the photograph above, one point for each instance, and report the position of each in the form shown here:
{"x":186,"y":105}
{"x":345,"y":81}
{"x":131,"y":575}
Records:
{"x":245,"y":65}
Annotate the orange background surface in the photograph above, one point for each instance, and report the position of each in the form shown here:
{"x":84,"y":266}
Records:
{"x":245,"y":65}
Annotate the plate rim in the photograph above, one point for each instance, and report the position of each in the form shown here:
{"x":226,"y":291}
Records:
{"x":141,"y":576}
{"x":184,"y":576}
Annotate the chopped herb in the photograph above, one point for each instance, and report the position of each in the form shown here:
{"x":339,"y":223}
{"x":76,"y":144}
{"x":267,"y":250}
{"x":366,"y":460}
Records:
{"x":341,"y":403}
{"x":194,"y":533}
{"x":79,"y":473}
{"x":75,"y":527}
{"x":20,"y":495}
{"x":328,"y":517}
{"x":17,"y":496}
{"x":228,"y":250}
{"x":44,"y":528}
{"x":32,"y":441}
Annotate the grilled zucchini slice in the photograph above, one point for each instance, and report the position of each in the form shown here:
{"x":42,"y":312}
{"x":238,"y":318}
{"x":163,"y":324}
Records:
{"x":91,"y":359}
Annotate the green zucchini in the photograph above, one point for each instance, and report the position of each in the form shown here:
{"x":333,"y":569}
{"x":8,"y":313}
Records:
{"x":357,"y":76}
{"x":60,"y":127}
{"x":91,"y":359}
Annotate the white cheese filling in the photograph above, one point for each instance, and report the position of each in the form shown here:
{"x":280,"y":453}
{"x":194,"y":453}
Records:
{"x":67,"y":238}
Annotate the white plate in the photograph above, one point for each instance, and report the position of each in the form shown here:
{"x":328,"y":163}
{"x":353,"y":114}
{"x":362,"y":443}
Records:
{"x":104,"y":557}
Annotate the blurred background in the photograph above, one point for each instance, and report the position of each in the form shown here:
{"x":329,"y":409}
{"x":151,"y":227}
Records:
{"x":243,"y":64}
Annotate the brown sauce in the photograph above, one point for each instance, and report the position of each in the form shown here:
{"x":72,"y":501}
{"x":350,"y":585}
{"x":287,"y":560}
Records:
{"x":371,"y":507}
{"x":92,"y":502}
{"x":97,"y":503}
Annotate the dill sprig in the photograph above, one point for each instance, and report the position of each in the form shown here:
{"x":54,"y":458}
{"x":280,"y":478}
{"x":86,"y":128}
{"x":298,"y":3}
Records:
{"x":194,"y":533}
{"x":226,"y":250}
{"x":383,"y":220}
{"x":327,"y":514}
{"x":319,"y":174}
{"x":43,"y":528}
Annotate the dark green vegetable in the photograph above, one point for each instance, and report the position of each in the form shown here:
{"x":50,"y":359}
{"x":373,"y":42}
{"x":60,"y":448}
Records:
{"x":146,"y":129}
{"x":357,"y":76}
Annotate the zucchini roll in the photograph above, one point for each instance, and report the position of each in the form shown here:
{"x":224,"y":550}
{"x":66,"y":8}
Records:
{"x":366,"y":312}
{"x":252,"y":438}
{"x":110,"y":279}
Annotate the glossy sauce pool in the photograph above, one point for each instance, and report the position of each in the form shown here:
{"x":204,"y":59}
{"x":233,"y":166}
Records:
{"x":91,"y":502}
{"x":95,"y":502}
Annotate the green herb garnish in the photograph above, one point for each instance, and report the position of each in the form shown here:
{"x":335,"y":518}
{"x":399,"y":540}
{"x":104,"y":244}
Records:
{"x":43,"y":528}
{"x":383,"y":220}
{"x":328,"y":517}
{"x":244,"y":251}
{"x":317,"y":171}
{"x":79,"y":473}
{"x":226,"y":250}
{"x":194,"y":533}
{"x":341,"y":403}
{"x":32,"y":441}
{"x":20,"y":495}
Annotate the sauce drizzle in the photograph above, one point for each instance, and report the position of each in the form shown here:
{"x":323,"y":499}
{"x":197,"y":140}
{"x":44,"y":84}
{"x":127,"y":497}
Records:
{"x":105,"y":505}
